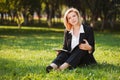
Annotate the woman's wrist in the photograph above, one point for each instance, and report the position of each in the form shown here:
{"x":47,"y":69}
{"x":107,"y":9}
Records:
{"x":90,"y":49}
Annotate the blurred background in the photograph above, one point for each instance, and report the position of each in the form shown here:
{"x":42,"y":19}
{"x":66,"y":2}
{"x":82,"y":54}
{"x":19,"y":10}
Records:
{"x":100,"y":14}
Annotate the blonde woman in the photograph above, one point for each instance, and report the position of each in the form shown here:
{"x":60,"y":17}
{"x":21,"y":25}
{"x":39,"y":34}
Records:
{"x":78,"y":43}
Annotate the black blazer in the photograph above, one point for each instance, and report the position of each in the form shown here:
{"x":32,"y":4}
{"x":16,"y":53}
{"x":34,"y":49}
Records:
{"x":88,"y":35}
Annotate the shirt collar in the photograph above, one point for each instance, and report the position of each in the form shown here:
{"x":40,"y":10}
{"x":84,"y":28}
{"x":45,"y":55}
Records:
{"x":80,"y":31}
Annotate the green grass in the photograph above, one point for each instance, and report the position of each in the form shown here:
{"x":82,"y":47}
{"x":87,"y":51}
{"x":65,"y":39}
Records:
{"x":25,"y":53}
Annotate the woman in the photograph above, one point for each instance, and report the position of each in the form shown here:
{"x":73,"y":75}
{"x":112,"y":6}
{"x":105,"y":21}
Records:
{"x":78,"y":41}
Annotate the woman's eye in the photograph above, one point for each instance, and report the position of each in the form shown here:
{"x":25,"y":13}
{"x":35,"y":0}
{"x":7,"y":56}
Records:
{"x":69,"y":18}
{"x":74,"y":15}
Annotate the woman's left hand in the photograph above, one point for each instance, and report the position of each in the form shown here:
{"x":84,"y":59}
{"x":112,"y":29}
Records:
{"x":85,"y":46}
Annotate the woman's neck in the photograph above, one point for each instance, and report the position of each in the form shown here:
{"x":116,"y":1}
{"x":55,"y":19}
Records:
{"x":76,"y":27}
{"x":76,"y":30}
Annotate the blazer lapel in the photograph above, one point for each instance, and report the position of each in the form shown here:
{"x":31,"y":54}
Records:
{"x":69,"y":41}
{"x":82,"y":36}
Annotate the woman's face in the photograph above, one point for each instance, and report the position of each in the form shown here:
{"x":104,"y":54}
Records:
{"x":72,"y":18}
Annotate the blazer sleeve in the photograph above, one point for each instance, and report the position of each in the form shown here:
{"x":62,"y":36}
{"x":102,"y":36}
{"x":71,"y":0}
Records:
{"x":65,"y":40}
{"x":90,"y":38}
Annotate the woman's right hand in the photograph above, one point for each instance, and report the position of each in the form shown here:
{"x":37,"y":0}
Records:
{"x":58,"y":52}
{"x":85,"y":46}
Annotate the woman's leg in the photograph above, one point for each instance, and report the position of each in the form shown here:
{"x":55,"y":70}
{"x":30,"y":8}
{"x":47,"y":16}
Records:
{"x":59,"y":60}
{"x":50,"y":67}
{"x":75,"y":57}
{"x":63,"y":66}
{"x":54,"y":65}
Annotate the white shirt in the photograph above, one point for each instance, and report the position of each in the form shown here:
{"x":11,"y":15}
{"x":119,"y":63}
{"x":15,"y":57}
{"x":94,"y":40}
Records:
{"x":75,"y":40}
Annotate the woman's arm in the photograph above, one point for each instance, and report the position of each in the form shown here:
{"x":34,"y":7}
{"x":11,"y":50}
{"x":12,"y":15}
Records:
{"x":65,"y":40}
{"x":89,"y":42}
{"x":91,"y":39}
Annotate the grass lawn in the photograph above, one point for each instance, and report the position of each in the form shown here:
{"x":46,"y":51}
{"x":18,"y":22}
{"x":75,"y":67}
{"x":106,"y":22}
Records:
{"x":25,"y":53}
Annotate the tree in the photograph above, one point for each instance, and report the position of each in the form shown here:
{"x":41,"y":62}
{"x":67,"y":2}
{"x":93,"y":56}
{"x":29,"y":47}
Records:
{"x":2,"y":10}
{"x":52,"y":8}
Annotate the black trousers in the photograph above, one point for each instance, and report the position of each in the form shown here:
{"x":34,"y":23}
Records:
{"x":73,"y":58}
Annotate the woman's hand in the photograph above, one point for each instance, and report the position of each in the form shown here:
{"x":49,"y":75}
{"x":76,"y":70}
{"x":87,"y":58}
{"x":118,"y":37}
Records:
{"x":58,"y":52}
{"x":85,"y":46}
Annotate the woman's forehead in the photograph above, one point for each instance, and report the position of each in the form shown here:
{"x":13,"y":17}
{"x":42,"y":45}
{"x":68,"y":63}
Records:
{"x":71,"y":13}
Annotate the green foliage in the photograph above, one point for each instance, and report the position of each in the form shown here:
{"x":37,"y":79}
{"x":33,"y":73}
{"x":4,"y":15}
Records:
{"x":2,"y":1}
{"x":25,"y":53}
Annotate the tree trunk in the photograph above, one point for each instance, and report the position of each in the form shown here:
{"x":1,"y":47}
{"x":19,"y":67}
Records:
{"x":93,"y":20}
{"x":2,"y":18}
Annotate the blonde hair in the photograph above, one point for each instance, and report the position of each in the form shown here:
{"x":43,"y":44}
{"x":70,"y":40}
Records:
{"x":68,"y":25}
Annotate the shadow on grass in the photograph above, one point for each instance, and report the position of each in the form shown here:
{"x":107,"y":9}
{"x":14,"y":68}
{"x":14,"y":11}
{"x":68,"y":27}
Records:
{"x":18,"y":69}
{"x":104,"y":67}
{"x":33,"y":39}
{"x":108,"y":39}
{"x":28,"y":31}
